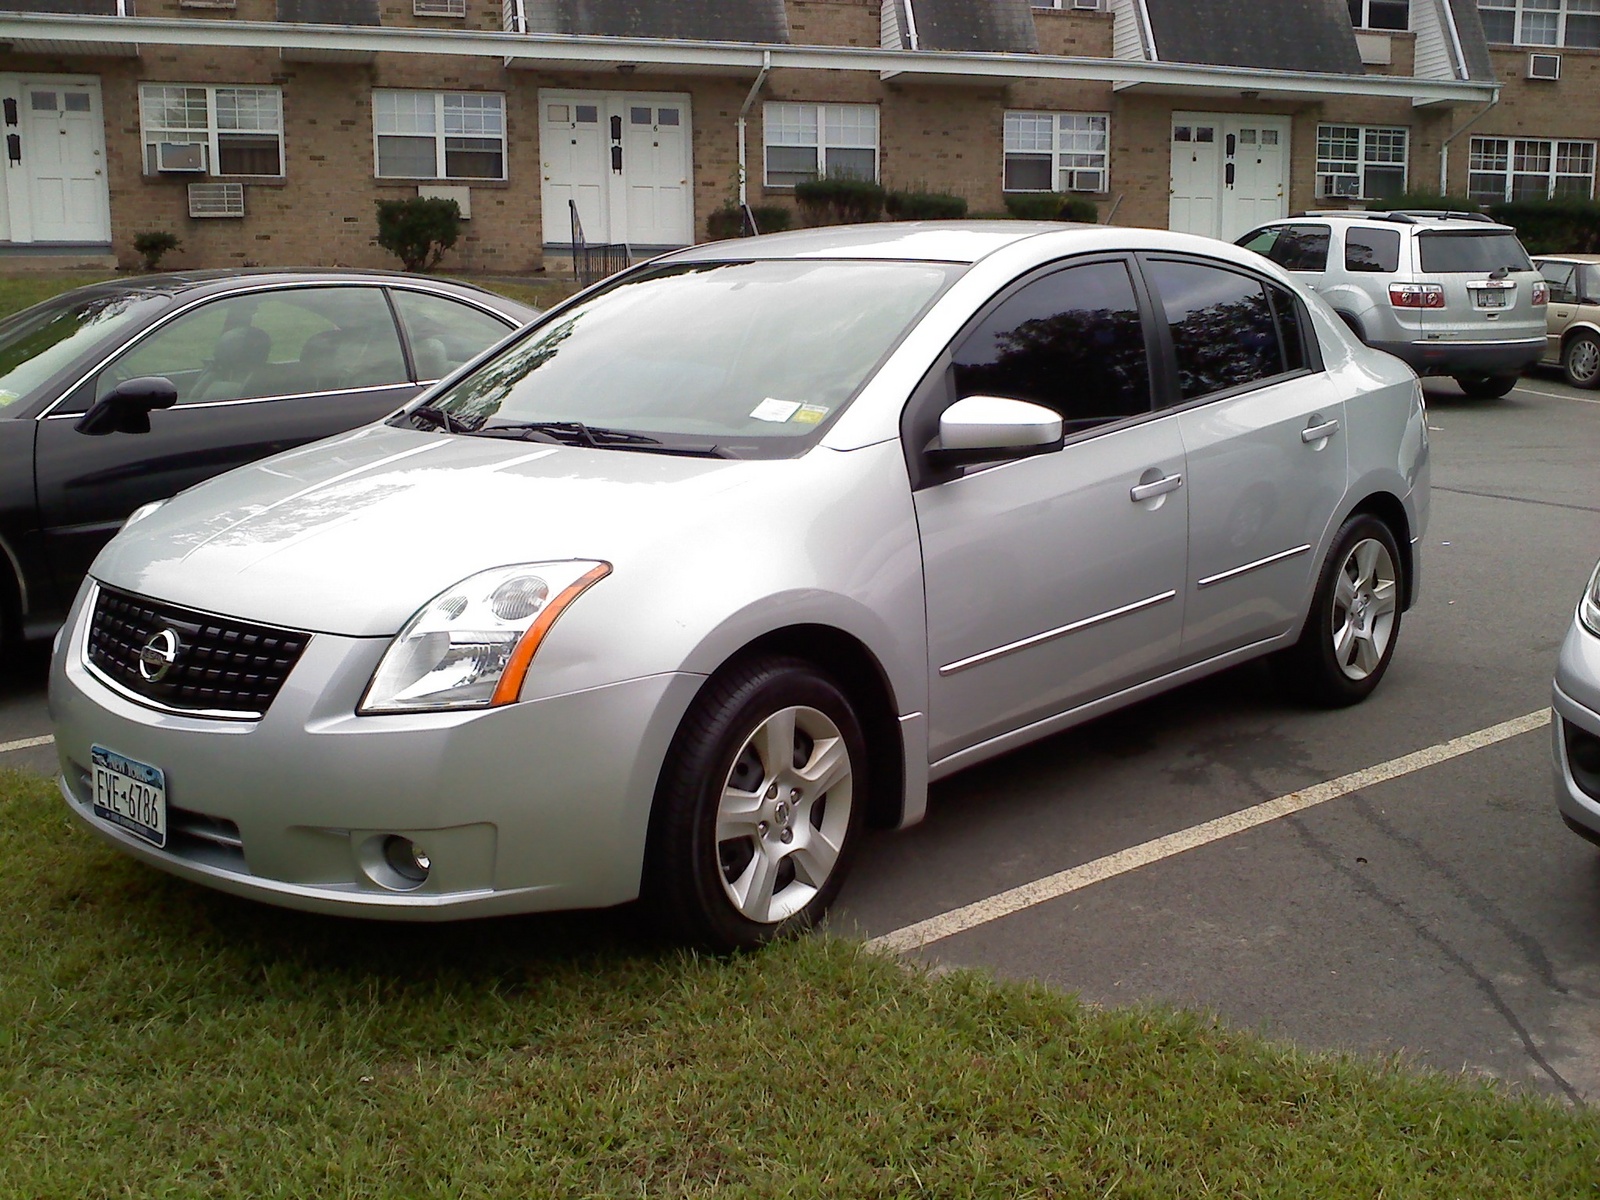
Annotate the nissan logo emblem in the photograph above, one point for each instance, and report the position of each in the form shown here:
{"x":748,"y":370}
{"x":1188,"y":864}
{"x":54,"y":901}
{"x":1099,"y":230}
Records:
{"x":157,"y":656}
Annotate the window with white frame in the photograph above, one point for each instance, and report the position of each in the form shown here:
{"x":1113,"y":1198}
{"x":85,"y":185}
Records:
{"x":1529,"y":169}
{"x":1057,"y":152}
{"x":1542,"y":22}
{"x":439,"y":135}
{"x":1380,"y":14}
{"x":810,"y":141}
{"x":238,"y":130}
{"x":1361,"y":162}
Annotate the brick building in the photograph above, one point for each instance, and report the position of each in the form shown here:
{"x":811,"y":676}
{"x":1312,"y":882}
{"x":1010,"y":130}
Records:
{"x":261,"y":131}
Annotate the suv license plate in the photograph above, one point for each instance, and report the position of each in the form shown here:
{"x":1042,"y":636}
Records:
{"x":1491,"y":298}
{"x":130,"y":794}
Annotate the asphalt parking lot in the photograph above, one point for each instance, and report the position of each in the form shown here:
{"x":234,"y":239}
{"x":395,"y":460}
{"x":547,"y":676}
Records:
{"x":1437,"y":909}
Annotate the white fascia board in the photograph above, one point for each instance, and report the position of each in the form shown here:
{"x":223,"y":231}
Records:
{"x":556,"y":49}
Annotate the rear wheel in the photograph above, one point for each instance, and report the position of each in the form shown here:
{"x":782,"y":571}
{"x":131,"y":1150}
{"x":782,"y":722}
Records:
{"x":1350,"y":633}
{"x":1486,"y":387}
{"x":758,"y":807}
{"x":1580,"y":359}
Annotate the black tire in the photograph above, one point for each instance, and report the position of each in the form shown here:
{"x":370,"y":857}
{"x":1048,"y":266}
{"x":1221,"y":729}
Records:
{"x":1486,"y":387}
{"x":691,"y":878}
{"x":1334,"y":664}
{"x":1580,"y":360}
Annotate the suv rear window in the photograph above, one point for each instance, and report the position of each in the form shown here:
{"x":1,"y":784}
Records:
{"x":1442,"y":253}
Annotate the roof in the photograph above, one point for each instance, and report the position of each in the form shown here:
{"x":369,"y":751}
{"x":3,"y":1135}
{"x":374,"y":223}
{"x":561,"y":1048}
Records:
{"x":1301,"y":35}
{"x":710,"y":20}
{"x":1474,"y":45}
{"x":926,"y":241}
{"x":1412,"y":220}
{"x":1000,"y":26}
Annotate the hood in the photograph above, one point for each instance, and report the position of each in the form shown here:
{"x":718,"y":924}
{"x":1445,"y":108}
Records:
{"x":352,"y":535}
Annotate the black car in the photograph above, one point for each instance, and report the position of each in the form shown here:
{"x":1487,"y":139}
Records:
{"x":257,"y":362}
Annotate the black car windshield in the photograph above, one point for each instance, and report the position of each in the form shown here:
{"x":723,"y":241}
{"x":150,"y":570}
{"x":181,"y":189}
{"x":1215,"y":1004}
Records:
{"x":39,"y":341}
{"x":752,"y":358}
{"x":1443,"y":253}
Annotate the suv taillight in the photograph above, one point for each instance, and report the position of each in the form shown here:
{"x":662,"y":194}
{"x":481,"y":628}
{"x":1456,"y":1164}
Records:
{"x":1416,"y":295}
{"x":1541,"y":292}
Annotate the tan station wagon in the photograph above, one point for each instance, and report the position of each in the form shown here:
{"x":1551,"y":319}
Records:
{"x":1574,"y":316}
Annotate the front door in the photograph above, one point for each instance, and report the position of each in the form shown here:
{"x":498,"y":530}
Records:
{"x":624,"y":160}
{"x":55,"y":186}
{"x":1230,"y":173}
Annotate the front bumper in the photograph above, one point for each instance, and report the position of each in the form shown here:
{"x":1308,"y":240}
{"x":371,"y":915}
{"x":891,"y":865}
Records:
{"x":1575,"y":732}
{"x":1442,"y":357}
{"x":537,"y":805}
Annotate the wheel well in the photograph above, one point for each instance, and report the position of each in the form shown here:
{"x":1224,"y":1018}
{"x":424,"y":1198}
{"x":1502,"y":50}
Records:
{"x":1574,"y":331}
{"x":1354,"y":322}
{"x":10,"y":603}
{"x":1388,"y":509}
{"x":848,"y":662}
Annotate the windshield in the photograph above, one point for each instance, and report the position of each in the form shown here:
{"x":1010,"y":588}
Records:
{"x":1442,"y":253}
{"x":749,"y":359}
{"x":39,"y":341}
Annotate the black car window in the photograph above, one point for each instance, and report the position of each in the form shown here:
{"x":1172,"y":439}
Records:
{"x":41,"y":341}
{"x":1443,"y":253}
{"x":1223,"y":331}
{"x":1292,"y":332}
{"x":444,"y":333}
{"x":1071,"y":341}
{"x":273,"y":343}
{"x":1292,"y":247}
{"x":1376,"y":250}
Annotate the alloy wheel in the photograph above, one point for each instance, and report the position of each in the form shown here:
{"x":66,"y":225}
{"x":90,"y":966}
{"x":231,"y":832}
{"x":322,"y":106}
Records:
{"x":1365,"y":600}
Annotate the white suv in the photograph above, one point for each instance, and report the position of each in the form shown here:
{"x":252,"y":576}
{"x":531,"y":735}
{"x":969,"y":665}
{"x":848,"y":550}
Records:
{"x":1449,"y":293}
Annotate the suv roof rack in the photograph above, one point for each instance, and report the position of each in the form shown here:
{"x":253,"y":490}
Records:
{"x":1442,"y":214}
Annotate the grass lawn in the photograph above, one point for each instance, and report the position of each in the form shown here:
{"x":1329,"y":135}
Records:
{"x":159,"y":1039}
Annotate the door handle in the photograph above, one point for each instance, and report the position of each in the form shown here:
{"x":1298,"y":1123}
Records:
{"x":1316,"y":433}
{"x":1160,"y":487}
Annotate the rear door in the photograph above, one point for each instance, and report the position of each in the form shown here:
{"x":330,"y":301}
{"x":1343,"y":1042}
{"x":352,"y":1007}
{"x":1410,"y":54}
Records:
{"x":1563,"y":280}
{"x":1488,"y":286}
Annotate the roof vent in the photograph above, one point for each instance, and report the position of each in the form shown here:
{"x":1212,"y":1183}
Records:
{"x":216,"y":199}
{"x":1544,"y":66}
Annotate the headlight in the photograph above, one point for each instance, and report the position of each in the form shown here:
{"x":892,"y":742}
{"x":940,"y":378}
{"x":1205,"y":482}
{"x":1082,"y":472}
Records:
{"x":143,"y":511}
{"x":1589,"y":606}
{"x":470,"y":646}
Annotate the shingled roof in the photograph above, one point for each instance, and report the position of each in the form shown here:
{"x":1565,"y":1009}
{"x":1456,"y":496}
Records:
{"x":696,"y":20}
{"x":1298,"y":35}
{"x":970,"y":25}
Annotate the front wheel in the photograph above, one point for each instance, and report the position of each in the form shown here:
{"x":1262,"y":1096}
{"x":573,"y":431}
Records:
{"x":758,"y":807}
{"x":1580,"y":360}
{"x":1486,"y":387}
{"x":1350,"y":633}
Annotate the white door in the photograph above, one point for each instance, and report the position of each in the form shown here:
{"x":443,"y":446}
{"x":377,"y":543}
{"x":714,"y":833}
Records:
{"x":1229,"y":172}
{"x":624,"y":160}
{"x":55,"y":185}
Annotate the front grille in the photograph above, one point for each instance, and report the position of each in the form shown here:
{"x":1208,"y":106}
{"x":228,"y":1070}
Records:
{"x":218,"y":665}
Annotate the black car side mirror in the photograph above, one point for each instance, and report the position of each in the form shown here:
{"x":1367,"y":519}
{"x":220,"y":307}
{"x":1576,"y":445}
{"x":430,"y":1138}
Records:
{"x":126,"y":407}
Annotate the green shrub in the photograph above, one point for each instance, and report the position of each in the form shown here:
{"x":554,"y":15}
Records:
{"x":728,"y":221}
{"x":1558,"y":226}
{"x":1052,"y":206}
{"x":919,"y":205}
{"x":841,"y":201}
{"x":153,"y":244}
{"x":419,"y":229}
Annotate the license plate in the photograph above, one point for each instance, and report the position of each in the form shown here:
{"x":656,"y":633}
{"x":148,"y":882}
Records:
{"x":1491,"y":299}
{"x":130,"y":794}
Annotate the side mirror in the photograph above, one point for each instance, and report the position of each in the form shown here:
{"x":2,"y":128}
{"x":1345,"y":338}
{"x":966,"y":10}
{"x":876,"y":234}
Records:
{"x":126,"y":407}
{"x":981,"y":429}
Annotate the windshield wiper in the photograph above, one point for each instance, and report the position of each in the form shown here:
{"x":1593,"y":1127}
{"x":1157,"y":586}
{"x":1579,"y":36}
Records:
{"x":438,"y":418}
{"x":594,"y":437}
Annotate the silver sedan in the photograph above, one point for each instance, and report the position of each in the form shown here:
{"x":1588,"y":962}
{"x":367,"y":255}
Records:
{"x":1576,"y":727}
{"x":731,"y":556}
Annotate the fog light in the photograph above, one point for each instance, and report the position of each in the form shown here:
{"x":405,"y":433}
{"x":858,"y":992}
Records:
{"x":406,"y":859}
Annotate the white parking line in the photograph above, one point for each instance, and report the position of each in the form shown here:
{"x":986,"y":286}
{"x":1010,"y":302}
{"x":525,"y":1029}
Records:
{"x":26,"y":743}
{"x":1522,"y":387}
{"x":934,"y":929}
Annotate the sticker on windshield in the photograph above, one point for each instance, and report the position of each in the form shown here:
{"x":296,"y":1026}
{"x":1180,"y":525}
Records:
{"x":774,"y":410}
{"x":810,"y":414}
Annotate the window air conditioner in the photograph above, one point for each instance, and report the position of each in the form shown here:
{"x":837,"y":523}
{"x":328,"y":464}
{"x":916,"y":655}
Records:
{"x":1544,"y":66}
{"x":1348,"y":186}
{"x":216,"y":199}
{"x":439,"y":8}
{"x":1086,"y":181}
{"x":181,"y":156}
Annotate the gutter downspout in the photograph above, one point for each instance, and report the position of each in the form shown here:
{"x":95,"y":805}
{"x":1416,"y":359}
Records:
{"x":912,"y":42}
{"x":1444,"y":150}
{"x":744,"y":113}
{"x":1147,"y":33}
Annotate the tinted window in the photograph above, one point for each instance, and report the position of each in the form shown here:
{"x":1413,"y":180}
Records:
{"x":1560,"y":278}
{"x":1372,"y":250}
{"x":271,"y":344}
{"x":443,"y":333}
{"x":1441,"y":253}
{"x":1223,"y":331}
{"x":1292,"y":247}
{"x":1071,"y":341}
{"x":1292,"y":333}
{"x":44,"y":339}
